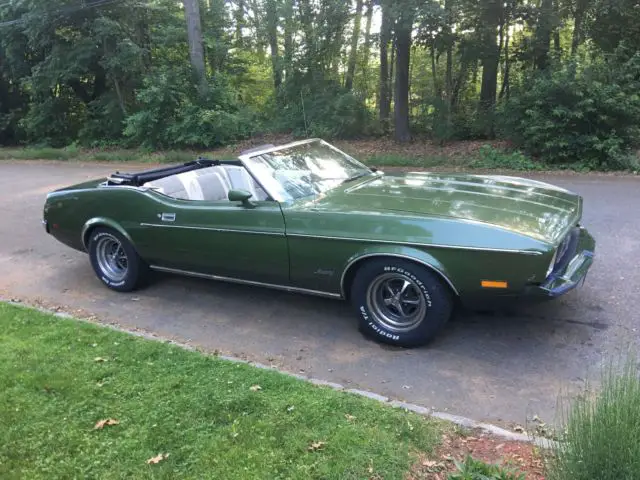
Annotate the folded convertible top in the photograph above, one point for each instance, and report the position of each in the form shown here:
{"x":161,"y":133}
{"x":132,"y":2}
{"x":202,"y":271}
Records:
{"x":140,"y":178}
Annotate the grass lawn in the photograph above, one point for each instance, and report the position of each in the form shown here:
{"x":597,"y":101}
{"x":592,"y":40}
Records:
{"x":97,"y":155}
{"x":59,"y":377}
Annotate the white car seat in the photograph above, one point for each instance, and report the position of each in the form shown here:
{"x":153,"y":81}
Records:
{"x":210,"y":183}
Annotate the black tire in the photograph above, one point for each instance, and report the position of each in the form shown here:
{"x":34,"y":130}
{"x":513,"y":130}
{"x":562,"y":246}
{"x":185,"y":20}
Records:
{"x":124,"y":279}
{"x":380,"y":317}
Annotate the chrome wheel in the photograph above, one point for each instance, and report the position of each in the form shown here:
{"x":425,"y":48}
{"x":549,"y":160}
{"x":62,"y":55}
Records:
{"x":111,"y":258}
{"x":396,"y":301}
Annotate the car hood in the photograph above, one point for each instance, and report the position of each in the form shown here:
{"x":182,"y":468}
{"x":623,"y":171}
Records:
{"x":529,"y":207}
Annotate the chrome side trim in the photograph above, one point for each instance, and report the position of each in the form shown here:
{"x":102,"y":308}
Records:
{"x":416,"y":244}
{"x":212,"y":229}
{"x":347,"y":239}
{"x":246,"y":282}
{"x":397,"y":255}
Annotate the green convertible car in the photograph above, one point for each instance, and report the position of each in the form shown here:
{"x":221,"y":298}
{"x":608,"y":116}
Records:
{"x":402,"y":248}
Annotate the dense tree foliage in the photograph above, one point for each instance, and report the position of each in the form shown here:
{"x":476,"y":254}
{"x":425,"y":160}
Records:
{"x":557,"y":77}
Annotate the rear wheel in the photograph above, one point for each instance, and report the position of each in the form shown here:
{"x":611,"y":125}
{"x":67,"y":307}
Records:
{"x":115,"y":261}
{"x":400,"y":302}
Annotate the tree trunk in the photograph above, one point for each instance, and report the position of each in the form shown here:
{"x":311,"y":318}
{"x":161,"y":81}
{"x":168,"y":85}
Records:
{"x":367,"y":50}
{"x":335,"y":46}
{"x":144,"y":40}
{"x":542,"y":41}
{"x":448,"y":105}
{"x":504,"y":90}
{"x":260,"y":40}
{"x":120,"y":97}
{"x":385,"y":34}
{"x":194,"y":34}
{"x":403,"y":53}
{"x":367,"y":37}
{"x":239,"y":18}
{"x":272,"y":32}
{"x":434,"y":73}
{"x":557,"y":45}
{"x":460,"y":80}
{"x":448,"y":78}
{"x":353,"y":53}
{"x":578,"y":20}
{"x":449,"y":72}
{"x":288,"y":37}
{"x":306,"y":18}
{"x":390,"y":88}
{"x":491,"y":19}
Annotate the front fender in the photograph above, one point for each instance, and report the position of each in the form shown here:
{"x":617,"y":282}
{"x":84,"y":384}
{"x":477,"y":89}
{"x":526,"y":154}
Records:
{"x":98,"y":222}
{"x":399,"y":251}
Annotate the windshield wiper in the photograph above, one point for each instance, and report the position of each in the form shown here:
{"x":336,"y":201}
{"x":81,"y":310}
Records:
{"x":355,"y":177}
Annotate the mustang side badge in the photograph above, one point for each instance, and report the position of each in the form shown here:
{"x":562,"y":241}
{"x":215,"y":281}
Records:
{"x":167,"y":217}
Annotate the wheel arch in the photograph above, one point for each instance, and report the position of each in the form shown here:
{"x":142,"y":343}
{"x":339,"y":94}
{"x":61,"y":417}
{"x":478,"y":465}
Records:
{"x":409,"y":254}
{"x":95,"y":222}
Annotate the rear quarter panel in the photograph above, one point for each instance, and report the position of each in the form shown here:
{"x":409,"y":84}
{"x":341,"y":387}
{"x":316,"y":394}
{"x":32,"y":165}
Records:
{"x":72,"y":213}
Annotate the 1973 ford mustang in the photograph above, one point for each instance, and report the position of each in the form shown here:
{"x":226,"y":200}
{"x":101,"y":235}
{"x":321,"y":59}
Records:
{"x":403,"y":249}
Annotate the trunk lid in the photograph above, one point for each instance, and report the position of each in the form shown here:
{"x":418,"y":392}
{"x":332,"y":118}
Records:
{"x":88,"y":184}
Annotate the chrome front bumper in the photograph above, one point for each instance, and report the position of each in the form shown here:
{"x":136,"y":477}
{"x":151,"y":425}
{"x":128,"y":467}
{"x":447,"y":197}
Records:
{"x":574,"y":271}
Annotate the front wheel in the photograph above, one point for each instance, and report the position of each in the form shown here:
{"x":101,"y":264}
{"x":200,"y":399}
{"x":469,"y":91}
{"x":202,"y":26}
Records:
{"x":400,"y":302}
{"x":115,"y":261}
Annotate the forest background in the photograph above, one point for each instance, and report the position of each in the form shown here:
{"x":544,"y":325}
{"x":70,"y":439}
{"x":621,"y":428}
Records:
{"x":556,"y":80}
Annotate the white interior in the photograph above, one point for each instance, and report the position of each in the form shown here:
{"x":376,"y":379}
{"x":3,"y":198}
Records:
{"x":209,"y":184}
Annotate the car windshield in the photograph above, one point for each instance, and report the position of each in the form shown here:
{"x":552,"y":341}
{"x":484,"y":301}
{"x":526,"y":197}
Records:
{"x":303,"y":169}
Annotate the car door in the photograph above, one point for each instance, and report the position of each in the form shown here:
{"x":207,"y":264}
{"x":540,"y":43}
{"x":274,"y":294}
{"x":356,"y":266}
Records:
{"x":222,"y":238}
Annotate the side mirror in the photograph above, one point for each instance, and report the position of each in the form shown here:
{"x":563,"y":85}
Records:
{"x":240,"y":196}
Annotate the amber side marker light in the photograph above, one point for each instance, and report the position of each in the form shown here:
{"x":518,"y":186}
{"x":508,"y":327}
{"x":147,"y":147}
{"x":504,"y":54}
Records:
{"x":493,"y":284}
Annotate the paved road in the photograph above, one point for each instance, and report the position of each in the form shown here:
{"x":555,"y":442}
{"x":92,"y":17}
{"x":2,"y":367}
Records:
{"x":501,"y":367}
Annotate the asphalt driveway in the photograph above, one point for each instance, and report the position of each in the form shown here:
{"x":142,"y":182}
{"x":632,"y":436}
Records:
{"x":493,"y":366}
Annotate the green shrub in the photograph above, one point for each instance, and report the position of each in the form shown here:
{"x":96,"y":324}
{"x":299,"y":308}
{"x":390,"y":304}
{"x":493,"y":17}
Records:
{"x":174,"y":114}
{"x":320,"y":109}
{"x":590,"y":117}
{"x":53,"y":121}
{"x":602,"y":437}
{"x":472,"y":469}
{"x":491,"y":157}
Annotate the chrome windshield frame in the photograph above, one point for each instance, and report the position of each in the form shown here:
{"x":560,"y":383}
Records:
{"x":264,"y":183}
